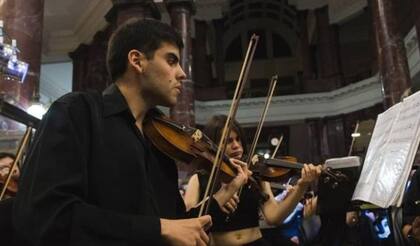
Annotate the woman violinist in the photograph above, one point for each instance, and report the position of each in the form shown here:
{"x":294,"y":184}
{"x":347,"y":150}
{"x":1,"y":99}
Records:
{"x":241,"y":227}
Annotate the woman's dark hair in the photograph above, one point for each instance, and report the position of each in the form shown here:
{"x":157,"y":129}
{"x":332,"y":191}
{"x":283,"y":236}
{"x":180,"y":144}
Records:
{"x":144,"y":35}
{"x":214,"y":127}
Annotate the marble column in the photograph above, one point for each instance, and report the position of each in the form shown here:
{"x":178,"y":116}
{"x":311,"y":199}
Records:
{"x":307,"y":64}
{"x":328,"y":46}
{"x":181,"y":12}
{"x":123,"y":10}
{"x":89,"y":61}
{"x":23,"y":21}
{"x":392,"y":59}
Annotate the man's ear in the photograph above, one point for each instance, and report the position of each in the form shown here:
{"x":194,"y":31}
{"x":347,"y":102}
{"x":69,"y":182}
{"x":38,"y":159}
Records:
{"x":136,"y":59}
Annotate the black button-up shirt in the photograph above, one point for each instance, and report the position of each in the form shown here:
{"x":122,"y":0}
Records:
{"x":91,"y":178}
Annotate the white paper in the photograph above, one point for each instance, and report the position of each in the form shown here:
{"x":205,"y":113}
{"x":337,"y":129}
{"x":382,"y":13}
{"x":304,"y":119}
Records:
{"x":390,"y":154}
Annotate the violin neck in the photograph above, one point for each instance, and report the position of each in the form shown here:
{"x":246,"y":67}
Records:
{"x":283,"y":163}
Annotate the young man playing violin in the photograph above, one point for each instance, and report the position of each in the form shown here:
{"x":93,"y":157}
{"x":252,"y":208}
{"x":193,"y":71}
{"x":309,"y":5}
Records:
{"x":242,"y":226}
{"x":92,"y":177}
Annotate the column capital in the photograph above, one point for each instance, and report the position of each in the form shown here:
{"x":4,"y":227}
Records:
{"x":118,"y":5}
{"x":186,"y":3}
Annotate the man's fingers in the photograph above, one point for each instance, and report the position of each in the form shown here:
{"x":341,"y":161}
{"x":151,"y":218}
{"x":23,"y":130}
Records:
{"x":204,"y":237}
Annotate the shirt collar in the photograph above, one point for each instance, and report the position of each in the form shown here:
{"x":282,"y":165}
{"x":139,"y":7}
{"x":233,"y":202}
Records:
{"x":114,"y":101}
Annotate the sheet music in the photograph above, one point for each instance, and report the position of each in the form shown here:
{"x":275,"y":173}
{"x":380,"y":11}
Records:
{"x":406,"y":139}
{"x":390,"y":154}
{"x":380,"y":135}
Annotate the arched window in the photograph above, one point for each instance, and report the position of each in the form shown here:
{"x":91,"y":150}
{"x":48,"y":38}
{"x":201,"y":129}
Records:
{"x":280,"y":47}
{"x":234,"y":51}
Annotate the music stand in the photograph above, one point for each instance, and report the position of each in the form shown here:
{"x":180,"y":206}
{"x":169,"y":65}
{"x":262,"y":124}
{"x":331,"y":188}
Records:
{"x":335,"y":196}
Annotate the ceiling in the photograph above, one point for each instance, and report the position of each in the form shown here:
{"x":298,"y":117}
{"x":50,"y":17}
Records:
{"x":69,"y":23}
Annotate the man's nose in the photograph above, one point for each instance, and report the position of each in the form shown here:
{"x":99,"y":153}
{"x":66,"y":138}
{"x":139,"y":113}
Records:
{"x":181,"y":74}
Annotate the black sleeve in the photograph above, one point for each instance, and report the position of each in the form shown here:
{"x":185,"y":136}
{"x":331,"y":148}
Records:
{"x":52,"y":206}
{"x":411,"y":206}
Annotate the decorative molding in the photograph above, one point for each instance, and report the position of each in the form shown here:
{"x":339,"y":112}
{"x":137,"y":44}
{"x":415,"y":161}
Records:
{"x":308,"y":4}
{"x":92,"y":20}
{"x":298,"y":107}
{"x":341,"y":10}
{"x":210,"y":9}
{"x":61,"y":42}
{"x":412,"y":48}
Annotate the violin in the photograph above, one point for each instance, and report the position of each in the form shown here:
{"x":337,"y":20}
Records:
{"x":273,"y":174}
{"x":189,"y":145}
{"x":333,"y":177}
{"x":183,"y":143}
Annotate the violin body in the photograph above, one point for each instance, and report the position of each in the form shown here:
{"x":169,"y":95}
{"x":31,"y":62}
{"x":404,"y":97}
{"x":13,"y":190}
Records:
{"x":185,"y":144}
{"x":275,"y":174}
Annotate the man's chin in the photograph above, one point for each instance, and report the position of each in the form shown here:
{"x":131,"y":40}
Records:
{"x":168,"y":104}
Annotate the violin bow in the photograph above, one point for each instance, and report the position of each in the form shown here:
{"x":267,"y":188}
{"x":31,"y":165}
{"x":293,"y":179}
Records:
{"x":277,"y":147}
{"x":243,"y":77}
{"x":353,"y":139}
{"x":22,"y":146}
{"x":251,"y":152}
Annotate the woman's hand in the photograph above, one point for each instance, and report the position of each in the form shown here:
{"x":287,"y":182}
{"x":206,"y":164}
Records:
{"x":242,"y":174}
{"x":309,"y":174}
{"x":231,"y":205}
{"x":226,"y":196}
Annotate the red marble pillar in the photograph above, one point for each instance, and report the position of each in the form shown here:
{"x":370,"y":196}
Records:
{"x":180,"y":12}
{"x":392,"y":59}
{"x":89,"y":61}
{"x":23,"y":21}
{"x":328,"y":46}
{"x":307,"y":64}
{"x":373,"y":39}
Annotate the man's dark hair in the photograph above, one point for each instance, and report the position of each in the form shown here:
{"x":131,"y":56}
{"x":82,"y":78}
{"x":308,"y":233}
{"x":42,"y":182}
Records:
{"x":6,"y":154}
{"x":144,"y":35}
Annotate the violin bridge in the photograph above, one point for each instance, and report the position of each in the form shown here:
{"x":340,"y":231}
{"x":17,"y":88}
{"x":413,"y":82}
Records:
{"x":197,"y":135}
